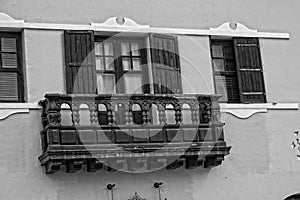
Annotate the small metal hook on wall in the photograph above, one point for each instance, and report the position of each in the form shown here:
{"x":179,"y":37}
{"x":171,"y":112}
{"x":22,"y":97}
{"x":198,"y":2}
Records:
{"x":157,"y":186}
{"x":111,"y":188}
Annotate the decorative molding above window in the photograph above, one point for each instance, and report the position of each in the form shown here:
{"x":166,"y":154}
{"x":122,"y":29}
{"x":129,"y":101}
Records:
{"x":8,"y":19}
{"x":233,"y":28}
{"x":240,"y":30}
{"x":129,"y":25}
{"x":120,"y":22}
{"x":244,"y":111}
{"x":8,"y":109}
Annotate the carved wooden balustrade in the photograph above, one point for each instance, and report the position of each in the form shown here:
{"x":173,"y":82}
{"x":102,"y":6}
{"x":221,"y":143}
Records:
{"x":120,"y":138}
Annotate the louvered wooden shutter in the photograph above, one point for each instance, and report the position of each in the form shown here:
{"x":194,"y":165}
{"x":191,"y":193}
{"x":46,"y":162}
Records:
{"x":11,"y":72}
{"x":80,"y":62}
{"x":165,"y":64}
{"x":250,"y":72}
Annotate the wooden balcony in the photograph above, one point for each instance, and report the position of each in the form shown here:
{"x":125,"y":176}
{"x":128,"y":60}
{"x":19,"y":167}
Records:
{"x":132,"y":133}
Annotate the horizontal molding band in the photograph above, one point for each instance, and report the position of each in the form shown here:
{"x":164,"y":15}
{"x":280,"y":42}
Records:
{"x":111,"y":25}
{"x":244,"y":111}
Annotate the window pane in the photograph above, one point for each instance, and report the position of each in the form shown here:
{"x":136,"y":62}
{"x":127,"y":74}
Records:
{"x":98,"y":48}
{"x":218,"y":64}
{"x":125,"y":49}
{"x":221,"y":87}
{"x":99,"y":63}
{"x":126,"y":64}
{"x":109,"y":63}
{"x":135,"y":49}
{"x":136,"y":64}
{"x":217,"y":51}
{"x":133,"y":83}
{"x":228,"y":51}
{"x":108,"y":48}
{"x":106,"y":83}
{"x":8,"y":45}
{"x":9,"y":60}
{"x":230,"y":65}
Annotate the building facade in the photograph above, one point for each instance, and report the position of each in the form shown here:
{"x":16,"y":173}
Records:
{"x":101,"y":93}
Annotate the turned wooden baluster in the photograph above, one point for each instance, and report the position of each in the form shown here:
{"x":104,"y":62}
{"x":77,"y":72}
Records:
{"x":178,"y":113}
{"x":195,"y":112}
{"x":128,"y":113}
{"x":75,"y":113}
{"x":215,"y":109}
{"x":161,"y":107}
{"x":93,"y":113}
{"x":111,"y":113}
{"x":204,"y":109}
{"x":146,"y":114}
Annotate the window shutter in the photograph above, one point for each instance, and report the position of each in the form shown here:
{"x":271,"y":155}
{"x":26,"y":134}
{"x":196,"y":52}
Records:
{"x":250,"y":72}
{"x":80,"y":62}
{"x":11,"y":72}
{"x":165,"y":64}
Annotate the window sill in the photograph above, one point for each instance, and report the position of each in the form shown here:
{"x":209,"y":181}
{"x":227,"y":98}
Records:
{"x":8,"y":109}
{"x":244,"y":111}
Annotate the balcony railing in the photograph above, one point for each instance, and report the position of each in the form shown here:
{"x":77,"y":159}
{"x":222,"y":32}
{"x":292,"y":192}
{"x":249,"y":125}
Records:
{"x":131,"y":132}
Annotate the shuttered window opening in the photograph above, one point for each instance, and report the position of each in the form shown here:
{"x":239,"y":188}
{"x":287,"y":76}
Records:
{"x":11,"y":72}
{"x":238,"y":70}
{"x":80,"y":62}
{"x":8,"y":86}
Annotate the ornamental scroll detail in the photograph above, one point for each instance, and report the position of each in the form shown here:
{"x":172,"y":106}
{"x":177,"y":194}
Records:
{"x":137,"y":197}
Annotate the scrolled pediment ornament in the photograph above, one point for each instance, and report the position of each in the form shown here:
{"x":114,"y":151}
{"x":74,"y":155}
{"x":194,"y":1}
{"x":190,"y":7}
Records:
{"x":137,"y":197}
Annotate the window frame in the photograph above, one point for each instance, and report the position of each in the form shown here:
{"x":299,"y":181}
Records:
{"x":237,"y":71}
{"x":224,"y":73}
{"x":119,"y":71}
{"x":19,"y":69}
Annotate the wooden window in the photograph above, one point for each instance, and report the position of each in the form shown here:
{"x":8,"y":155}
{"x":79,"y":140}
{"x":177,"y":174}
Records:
{"x":121,"y":65}
{"x":237,"y":70}
{"x":165,"y":64}
{"x":11,"y":70}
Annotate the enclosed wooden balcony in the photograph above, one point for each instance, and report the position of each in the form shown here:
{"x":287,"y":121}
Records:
{"x":131,"y":133}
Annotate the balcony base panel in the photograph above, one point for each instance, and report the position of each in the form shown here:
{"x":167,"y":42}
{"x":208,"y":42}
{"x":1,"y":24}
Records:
{"x":133,"y":158}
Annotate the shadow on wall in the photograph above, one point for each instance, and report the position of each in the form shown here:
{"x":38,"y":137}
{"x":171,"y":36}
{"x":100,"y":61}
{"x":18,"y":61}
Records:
{"x":293,"y":197}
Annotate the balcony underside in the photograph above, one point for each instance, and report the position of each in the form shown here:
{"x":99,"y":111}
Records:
{"x":133,"y":158}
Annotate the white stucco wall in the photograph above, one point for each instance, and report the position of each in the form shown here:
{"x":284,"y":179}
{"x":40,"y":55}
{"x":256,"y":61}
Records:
{"x":44,"y":63}
{"x":195,"y":62}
